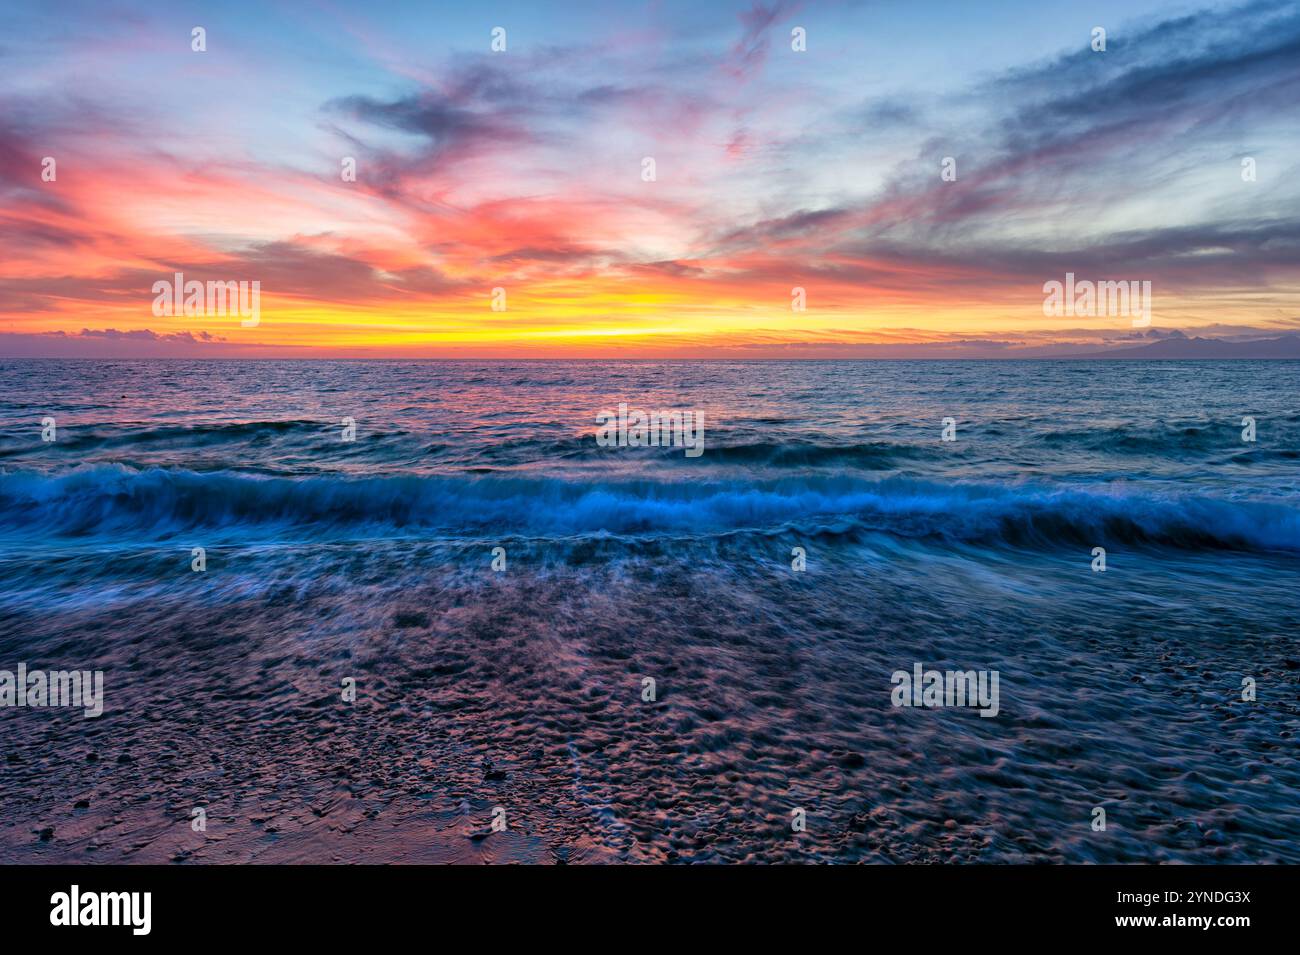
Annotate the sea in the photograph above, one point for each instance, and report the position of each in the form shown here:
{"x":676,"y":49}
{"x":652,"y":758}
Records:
{"x":416,"y":611}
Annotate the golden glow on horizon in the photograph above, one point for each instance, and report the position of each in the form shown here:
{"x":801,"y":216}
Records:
{"x":614,"y":321}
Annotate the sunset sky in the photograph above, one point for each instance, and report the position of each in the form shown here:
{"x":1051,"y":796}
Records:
{"x":522,"y":170}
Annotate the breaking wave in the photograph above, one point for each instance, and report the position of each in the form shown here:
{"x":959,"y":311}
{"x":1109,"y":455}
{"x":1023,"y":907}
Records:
{"x":117,"y":500}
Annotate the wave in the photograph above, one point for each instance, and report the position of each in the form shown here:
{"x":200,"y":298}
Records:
{"x":1175,"y":441}
{"x":398,"y":447}
{"x":872,"y":456}
{"x":192,"y":436}
{"x":117,"y":500}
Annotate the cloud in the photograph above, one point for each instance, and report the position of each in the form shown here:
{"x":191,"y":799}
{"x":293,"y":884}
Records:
{"x":115,"y":343}
{"x":284,"y":269}
{"x":1062,"y":151}
{"x":144,"y":334}
{"x":455,"y":125}
{"x":750,"y":51}
{"x":523,"y":171}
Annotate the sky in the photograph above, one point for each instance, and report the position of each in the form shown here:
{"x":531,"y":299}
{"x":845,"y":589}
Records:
{"x":524,"y":169}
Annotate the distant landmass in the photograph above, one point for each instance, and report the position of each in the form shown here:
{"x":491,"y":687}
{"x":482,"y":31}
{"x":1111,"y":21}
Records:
{"x":1288,"y":346}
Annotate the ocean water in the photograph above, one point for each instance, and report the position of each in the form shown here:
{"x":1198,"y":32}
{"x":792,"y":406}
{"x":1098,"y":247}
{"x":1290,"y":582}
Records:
{"x":523,"y":689}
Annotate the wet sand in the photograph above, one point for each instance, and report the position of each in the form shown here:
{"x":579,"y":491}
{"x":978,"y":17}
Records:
{"x":523,"y":690}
